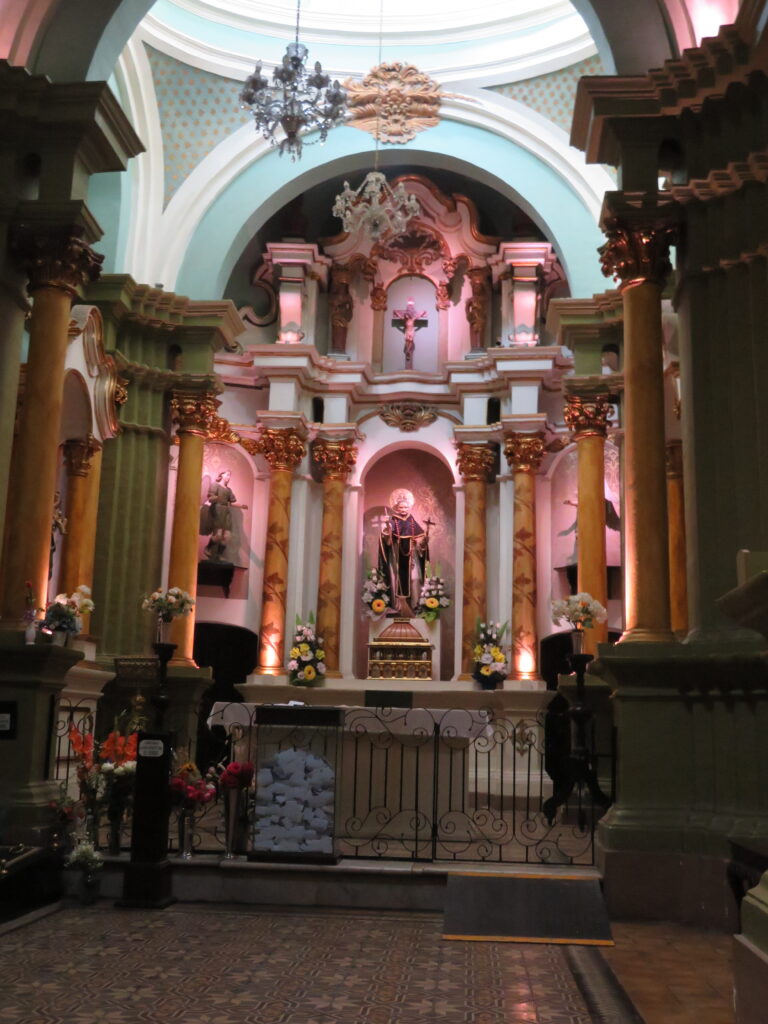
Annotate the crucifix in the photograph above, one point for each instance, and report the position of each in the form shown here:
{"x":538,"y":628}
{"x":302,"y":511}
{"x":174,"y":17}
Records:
{"x":409,"y":321}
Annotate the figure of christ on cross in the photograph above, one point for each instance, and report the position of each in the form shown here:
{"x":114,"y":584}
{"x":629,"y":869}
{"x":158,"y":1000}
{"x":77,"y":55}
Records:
{"x":409,"y":321}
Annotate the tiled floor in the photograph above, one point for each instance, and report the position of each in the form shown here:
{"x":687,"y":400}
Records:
{"x":673,"y":974}
{"x":190,"y":964}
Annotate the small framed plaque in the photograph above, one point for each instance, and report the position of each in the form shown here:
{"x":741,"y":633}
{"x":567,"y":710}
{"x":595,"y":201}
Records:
{"x":9,"y":715}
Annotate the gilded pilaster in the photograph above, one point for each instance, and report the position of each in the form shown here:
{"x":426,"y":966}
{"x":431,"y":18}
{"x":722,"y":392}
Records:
{"x":283,"y":450}
{"x":82,"y":458}
{"x":379,"y":307}
{"x":475,"y":462}
{"x":193,"y":412}
{"x":524,"y":453}
{"x":587,"y":417}
{"x":337,"y":459}
{"x":58,"y":265}
{"x":637,"y":252}
{"x":678,"y":581}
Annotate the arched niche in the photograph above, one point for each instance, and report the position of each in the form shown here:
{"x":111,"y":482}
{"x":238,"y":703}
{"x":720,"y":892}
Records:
{"x":427,"y":475}
{"x":421,"y":290}
{"x":76,"y":415}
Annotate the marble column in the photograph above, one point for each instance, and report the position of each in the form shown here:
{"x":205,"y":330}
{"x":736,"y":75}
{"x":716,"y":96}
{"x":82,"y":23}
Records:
{"x":475,"y":462}
{"x":57,"y":265}
{"x":283,"y":450}
{"x":587,"y":419}
{"x":524,"y":453}
{"x":637,"y":252}
{"x":337,"y":459}
{"x":678,"y":582}
{"x":82,"y":458}
{"x":193,"y":413}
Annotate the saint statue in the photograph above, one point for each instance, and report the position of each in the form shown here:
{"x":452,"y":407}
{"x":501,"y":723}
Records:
{"x":216,"y":516}
{"x":403,"y":553}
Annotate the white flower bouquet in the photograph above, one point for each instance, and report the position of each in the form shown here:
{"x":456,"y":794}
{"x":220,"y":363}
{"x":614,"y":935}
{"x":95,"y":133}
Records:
{"x":86,"y":857}
{"x":433,"y":597}
{"x":375,"y":593}
{"x":169,"y":604}
{"x":580,"y":611}
{"x":307,"y":657}
{"x":65,"y":611}
{"x":491,"y":664}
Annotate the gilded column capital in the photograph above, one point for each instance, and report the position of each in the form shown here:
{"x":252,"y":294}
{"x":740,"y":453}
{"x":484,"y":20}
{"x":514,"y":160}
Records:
{"x":636,"y":253}
{"x":78,"y":453}
{"x":194,"y":411}
{"x":475,"y":461}
{"x":673,"y":455}
{"x":59,"y":260}
{"x":587,"y":416}
{"x":378,"y":298}
{"x":283,"y":449}
{"x":524,"y":452}
{"x":337,"y":458}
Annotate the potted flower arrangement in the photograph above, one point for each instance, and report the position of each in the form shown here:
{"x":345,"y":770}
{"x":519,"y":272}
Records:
{"x":580,"y":611}
{"x":63,"y":615}
{"x":433,"y":597}
{"x":375,"y":594}
{"x":105,"y":773}
{"x":168,"y":605}
{"x":234,"y":782}
{"x":491,"y":665}
{"x":307,"y":657}
{"x":189,"y":792}
{"x":87,"y":859}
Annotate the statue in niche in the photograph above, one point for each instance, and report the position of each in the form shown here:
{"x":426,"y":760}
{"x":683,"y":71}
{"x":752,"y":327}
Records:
{"x":58,"y":525}
{"x":409,"y":321}
{"x":216,"y":516}
{"x":403,"y":553}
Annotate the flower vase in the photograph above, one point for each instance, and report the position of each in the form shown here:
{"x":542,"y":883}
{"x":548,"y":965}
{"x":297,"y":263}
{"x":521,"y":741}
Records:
{"x":577,"y":640}
{"x":30,"y":633}
{"x":186,"y":833}
{"x":89,"y":887}
{"x":60,"y":638}
{"x":233,"y":816}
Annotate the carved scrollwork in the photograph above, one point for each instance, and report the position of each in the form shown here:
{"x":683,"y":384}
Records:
{"x":414,"y":250}
{"x":283,"y":449}
{"x":407,"y":416}
{"x":394,"y":102}
{"x":636,"y":254}
{"x":587,"y":417}
{"x":221,"y":430}
{"x":524,"y":452}
{"x":378,"y":298}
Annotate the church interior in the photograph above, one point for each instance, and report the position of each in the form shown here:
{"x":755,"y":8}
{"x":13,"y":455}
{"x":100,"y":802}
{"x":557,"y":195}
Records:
{"x":382,"y":443}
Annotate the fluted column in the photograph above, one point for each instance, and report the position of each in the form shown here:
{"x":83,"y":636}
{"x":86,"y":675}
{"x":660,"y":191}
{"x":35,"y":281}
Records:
{"x":524,"y":453}
{"x":678,"y":581}
{"x":193,"y":413}
{"x":57,"y":267}
{"x":637,"y":252}
{"x":283,"y":450}
{"x":587,"y":418}
{"x":337,"y":459}
{"x":82,"y":458}
{"x":475,"y":462}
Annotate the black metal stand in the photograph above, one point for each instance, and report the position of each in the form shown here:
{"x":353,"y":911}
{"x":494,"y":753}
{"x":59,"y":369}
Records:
{"x":160,"y":700}
{"x":578,"y":769}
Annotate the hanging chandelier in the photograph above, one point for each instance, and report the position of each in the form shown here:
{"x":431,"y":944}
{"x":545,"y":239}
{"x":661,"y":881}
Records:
{"x":297,"y":101}
{"x":375,"y":206}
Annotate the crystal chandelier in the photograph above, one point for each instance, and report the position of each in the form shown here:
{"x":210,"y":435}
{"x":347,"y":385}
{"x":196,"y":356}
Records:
{"x":374,"y":206}
{"x":296,"y":101}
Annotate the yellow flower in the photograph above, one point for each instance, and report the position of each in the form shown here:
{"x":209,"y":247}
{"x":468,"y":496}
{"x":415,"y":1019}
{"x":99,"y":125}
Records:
{"x":294,"y":652}
{"x":309,"y":672}
{"x":432,"y":602}
{"x":485,"y":670}
{"x":478,"y":650}
{"x":304,"y":648}
{"x":496,"y":654}
{"x":377,"y":605}
{"x":320,"y":654}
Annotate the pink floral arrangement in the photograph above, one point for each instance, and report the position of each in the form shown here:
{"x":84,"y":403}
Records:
{"x":190,"y":791}
{"x":237,"y":775}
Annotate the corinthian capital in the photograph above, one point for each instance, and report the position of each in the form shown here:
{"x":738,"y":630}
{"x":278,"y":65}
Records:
{"x":337,"y":458}
{"x":194,"y":412}
{"x":587,"y":417}
{"x":524,"y":452}
{"x":78,"y":453}
{"x":283,"y":449}
{"x":475,"y":460}
{"x":55,"y":260}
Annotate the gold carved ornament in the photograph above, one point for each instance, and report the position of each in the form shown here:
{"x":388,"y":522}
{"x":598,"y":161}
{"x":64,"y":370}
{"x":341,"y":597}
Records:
{"x":407,"y":416}
{"x":220,"y":430}
{"x":415,"y":250}
{"x":337,"y":458}
{"x":587,"y":417}
{"x":635,"y":255}
{"x":475,"y":461}
{"x":394,"y":102}
{"x":524,"y":452}
{"x":193,"y":412}
{"x":283,"y":449}
{"x":62,"y":261}
{"x":78,"y":453}
{"x":378,"y":298}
